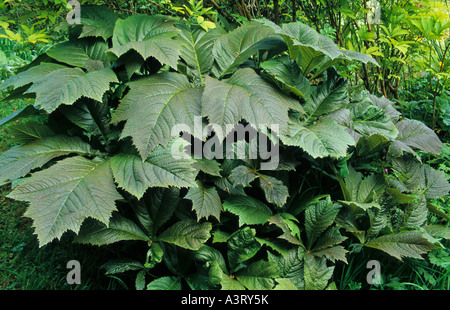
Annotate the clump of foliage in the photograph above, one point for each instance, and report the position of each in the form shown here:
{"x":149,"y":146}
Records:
{"x":102,"y":163}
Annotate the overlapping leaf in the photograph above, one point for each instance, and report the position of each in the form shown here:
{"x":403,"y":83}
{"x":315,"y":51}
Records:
{"x":160,"y":169}
{"x":323,"y":139}
{"x":67,"y":193}
{"x":154,"y":107}
{"x":20,"y":160}
{"x":246,"y":96}
{"x":150,"y":36}
{"x":232,"y":49}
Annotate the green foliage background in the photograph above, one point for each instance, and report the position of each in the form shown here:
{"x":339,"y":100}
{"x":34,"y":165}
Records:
{"x":410,"y":45}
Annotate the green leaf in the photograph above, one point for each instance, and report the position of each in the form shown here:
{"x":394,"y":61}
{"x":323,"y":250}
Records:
{"x":155,"y":107}
{"x":67,"y":85}
{"x":97,"y":21}
{"x":20,"y":160}
{"x":249,"y":210}
{"x":316,"y":272}
{"x":159,"y":206}
{"x":205,"y":201}
{"x":327,"y":245}
{"x":121,"y":265}
{"x":386,"y":105}
{"x":415,"y":176}
{"x":274,"y":189}
{"x":323,"y":139}
{"x":291,"y":232}
{"x":165,"y":283}
{"x":90,"y":55}
{"x":150,"y":36}
{"x":242,"y":246}
{"x":65,"y":194}
{"x":245,"y":96}
{"x":30,"y":131}
{"x":291,"y":266}
{"x":416,"y":135}
{"x":311,"y":49}
{"x":242,"y":175}
{"x":197,"y":49}
{"x":31,"y":75}
{"x":92,"y":116}
{"x":234,"y":48}
{"x":160,"y":169}
{"x":329,"y":96}
{"x":209,"y":166}
{"x":118,"y":229}
{"x":404,"y":244}
{"x":187,"y":234}
{"x":259,"y":275}
{"x":318,"y":217}
{"x":288,"y":76}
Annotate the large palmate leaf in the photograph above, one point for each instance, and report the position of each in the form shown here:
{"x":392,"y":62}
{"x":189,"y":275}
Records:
{"x":323,"y":139}
{"x":311,"y":49}
{"x":65,"y":85}
{"x":160,"y":169}
{"x":404,"y":244}
{"x":155,"y":107}
{"x":329,"y":96}
{"x":205,"y":201}
{"x":97,"y":21}
{"x":20,"y":160}
{"x":31,"y":75}
{"x":87,"y":55}
{"x":412,"y":135}
{"x":246,"y":96}
{"x":416,"y":177}
{"x":188,"y":234}
{"x":288,"y":76}
{"x":150,"y":36}
{"x":197,"y":48}
{"x":65,"y":194}
{"x":118,"y":229}
{"x":234,"y":48}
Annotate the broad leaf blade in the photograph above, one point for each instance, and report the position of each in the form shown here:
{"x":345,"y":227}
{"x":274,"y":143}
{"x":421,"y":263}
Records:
{"x":197,"y":48}
{"x":20,"y":160}
{"x":65,"y":194}
{"x":323,"y":139}
{"x":417,"y":135}
{"x":97,"y":21}
{"x":150,"y":36}
{"x":160,"y":169}
{"x":317,"y":273}
{"x":318,"y":217}
{"x":404,"y":244}
{"x":187,"y":234}
{"x":249,"y":210}
{"x":232,"y":49}
{"x":245,"y":96}
{"x":154,"y":107}
{"x":67,"y":85}
{"x":118,"y":229}
{"x":205,"y":201}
